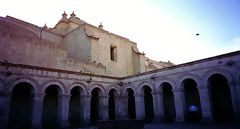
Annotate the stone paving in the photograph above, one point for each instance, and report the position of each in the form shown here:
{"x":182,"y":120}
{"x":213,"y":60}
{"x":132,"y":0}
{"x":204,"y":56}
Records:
{"x":187,"y":126}
{"x":192,"y":126}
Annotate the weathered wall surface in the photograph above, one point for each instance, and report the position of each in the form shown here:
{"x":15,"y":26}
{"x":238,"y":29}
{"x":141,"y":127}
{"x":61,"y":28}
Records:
{"x":100,"y":50}
{"x":22,"y":46}
{"x":78,"y":45}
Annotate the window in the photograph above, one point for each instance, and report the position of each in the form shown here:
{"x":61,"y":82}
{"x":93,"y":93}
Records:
{"x":113,"y":53}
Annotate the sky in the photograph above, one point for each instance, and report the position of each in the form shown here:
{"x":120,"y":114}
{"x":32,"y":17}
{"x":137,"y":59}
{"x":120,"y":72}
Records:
{"x":165,"y":30}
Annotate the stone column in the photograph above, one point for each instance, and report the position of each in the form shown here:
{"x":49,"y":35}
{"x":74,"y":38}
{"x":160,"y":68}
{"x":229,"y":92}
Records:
{"x":5,"y":107}
{"x":237,"y":91}
{"x":86,"y":104}
{"x":103,"y":107}
{"x":205,"y":105}
{"x":64,"y":111}
{"x":121,"y":108}
{"x":140,"y":107}
{"x":233,"y":92}
{"x":37,"y":111}
{"x":179,"y":105}
{"x":157,"y":104}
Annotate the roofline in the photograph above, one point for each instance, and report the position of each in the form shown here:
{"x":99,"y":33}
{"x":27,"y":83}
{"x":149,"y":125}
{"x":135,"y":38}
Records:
{"x":186,"y":64}
{"x":54,"y":70}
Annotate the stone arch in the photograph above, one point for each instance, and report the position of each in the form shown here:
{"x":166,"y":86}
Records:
{"x":220,"y":98}
{"x":112,"y":94}
{"x":168,"y":102}
{"x":124,"y":90}
{"x":166,"y":80}
{"x":189,"y":76}
{"x":141,"y":87}
{"x":131,"y":106}
{"x":103,"y":91}
{"x":77,"y":84}
{"x":76,"y":104}
{"x":192,"y":103}
{"x":209,"y":73}
{"x":115,"y":88}
{"x":95,"y":106}
{"x":21,"y":106}
{"x":61,"y":87}
{"x":29,"y":80}
{"x":148,"y":102}
{"x":52,"y":105}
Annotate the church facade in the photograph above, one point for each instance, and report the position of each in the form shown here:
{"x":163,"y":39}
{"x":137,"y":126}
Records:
{"x":76,"y":74}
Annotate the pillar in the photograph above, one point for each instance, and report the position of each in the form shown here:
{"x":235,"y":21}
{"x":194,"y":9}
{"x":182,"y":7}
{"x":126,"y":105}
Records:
{"x":140,"y":109}
{"x":86,"y":103}
{"x":179,"y":105}
{"x":5,"y":107}
{"x":37,"y":111}
{"x":121,"y":107}
{"x":235,"y":104}
{"x":205,"y":105}
{"x":237,"y":91}
{"x":64,"y":111}
{"x":103,"y":109}
{"x":157,"y":105}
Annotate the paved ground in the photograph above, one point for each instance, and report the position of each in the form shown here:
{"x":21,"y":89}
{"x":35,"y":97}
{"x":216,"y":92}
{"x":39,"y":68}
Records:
{"x":187,"y":126}
{"x":192,"y":126}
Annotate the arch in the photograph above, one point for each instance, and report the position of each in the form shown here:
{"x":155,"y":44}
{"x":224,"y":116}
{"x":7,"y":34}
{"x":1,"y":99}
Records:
{"x":141,"y":87}
{"x":168,"y":102}
{"x":95,"y":105}
{"x":112,"y":104}
{"x":115,"y":88}
{"x":189,"y":76}
{"x":148,"y":103}
{"x":131,"y":106}
{"x":166,"y":80}
{"x":102,"y":89}
{"x":51,"y":113}
{"x":192,"y":107}
{"x":61,"y":86}
{"x":75,"y":115}
{"x":209,"y":73}
{"x":78,"y":84}
{"x":21,"y":106}
{"x":16,"y":81}
{"x":124,"y":91}
{"x":220,"y":98}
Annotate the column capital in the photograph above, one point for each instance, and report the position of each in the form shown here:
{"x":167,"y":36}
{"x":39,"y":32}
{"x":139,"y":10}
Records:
{"x":86,"y":96}
{"x":39,"y":95}
{"x":156,"y":93}
{"x":177,"y":90}
{"x":139,"y":95}
{"x":103,"y":96}
{"x":65,"y":96}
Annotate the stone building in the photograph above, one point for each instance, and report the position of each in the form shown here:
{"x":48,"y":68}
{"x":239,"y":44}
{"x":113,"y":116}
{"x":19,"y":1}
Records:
{"x":76,"y":74}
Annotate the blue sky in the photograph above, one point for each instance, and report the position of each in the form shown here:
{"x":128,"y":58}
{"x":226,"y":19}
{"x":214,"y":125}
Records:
{"x":163,"y":29}
{"x":217,"y":20}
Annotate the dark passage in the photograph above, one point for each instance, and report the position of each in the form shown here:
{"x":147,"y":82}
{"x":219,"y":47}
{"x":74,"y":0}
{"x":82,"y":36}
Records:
{"x":50,"y":108}
{"x":94,"y":111}
{"x":111,"y":105}
{"x":131,"y":104}
{"x":21,"y":107}
{"x":192,"y":98}
{"x":148,"y":103}
{"x":221,"y":98}
{"x":168,"y":103}
{"x":75,"y":108}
